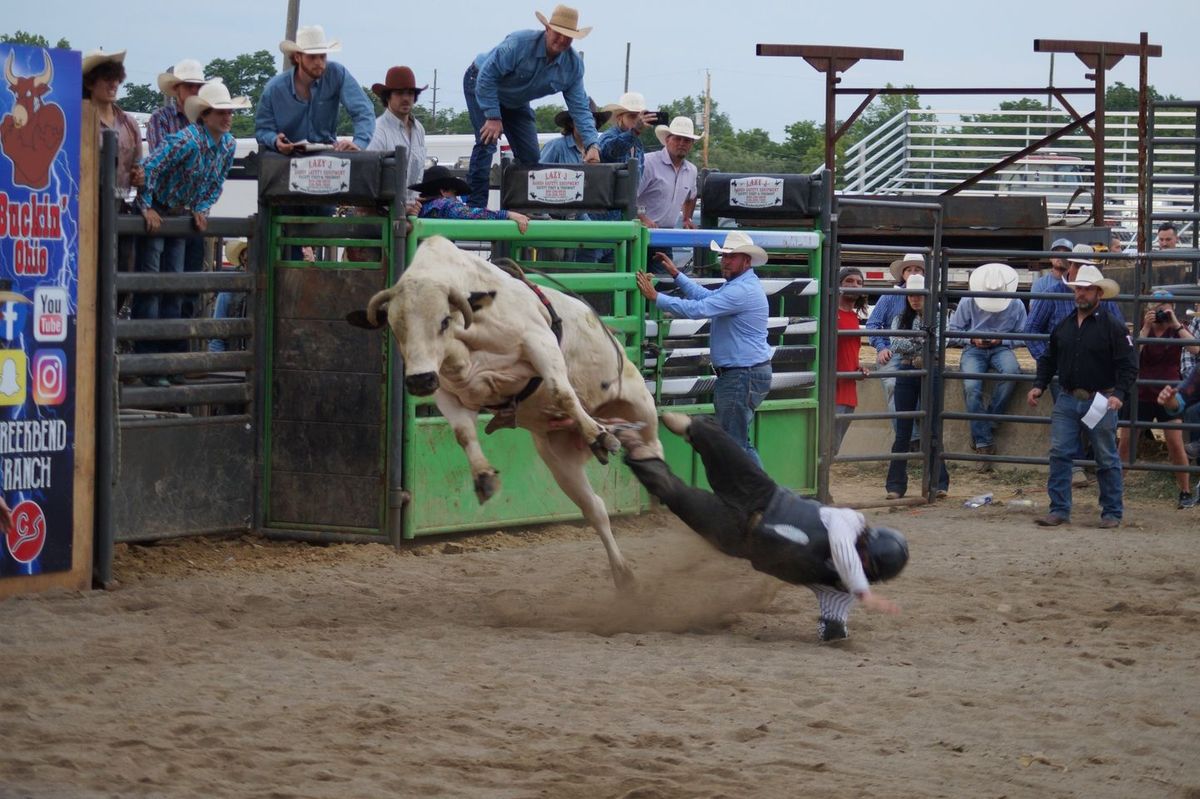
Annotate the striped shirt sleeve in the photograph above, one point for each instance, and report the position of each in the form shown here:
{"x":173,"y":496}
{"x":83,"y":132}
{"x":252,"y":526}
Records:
{"x":843,"y":526}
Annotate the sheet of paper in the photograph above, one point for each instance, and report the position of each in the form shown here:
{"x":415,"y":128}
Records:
{"x":1097,"y":411}
{"x":312,"y":147}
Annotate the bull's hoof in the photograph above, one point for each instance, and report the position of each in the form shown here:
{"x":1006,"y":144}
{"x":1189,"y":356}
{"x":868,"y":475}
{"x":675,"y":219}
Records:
{"x":604,"y":445}
{"x":623,"y":578}
{"x":486,"y":485}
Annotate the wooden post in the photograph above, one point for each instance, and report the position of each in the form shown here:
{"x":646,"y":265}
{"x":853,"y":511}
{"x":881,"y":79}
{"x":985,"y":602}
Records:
{"x":707,"y":112}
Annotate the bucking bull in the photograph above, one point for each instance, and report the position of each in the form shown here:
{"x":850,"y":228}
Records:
{"x":480,"y":338}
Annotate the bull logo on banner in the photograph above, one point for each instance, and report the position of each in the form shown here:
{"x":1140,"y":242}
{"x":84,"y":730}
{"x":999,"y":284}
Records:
{"x":32,"y":133}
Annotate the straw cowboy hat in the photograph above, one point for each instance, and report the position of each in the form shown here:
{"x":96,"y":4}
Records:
{"x":563,"y":118}
{"x":310,"y":40}
{"x":214,"y":95}
{"x":234,"y":250}
{"x":737,"y":241}
{"x":680,"y":126}
{"x":1083,"y":254}
{"x":993,"y":277}
{"x":1089,"y":276}
{"x":632,"y":102}
{"x":186,"y":71}
{"x":438,"y":178}
{"x":94,"y":58}
{"x":397,"y":78}
{"x":565,"y":20}
{"x":911,"y":259}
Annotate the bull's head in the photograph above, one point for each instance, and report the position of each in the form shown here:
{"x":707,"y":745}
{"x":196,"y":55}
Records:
{"x":425,"y":319}
{"x":27,"y":89}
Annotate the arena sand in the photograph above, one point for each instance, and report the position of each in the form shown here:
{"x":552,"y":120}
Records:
{"x":1026,"y":663}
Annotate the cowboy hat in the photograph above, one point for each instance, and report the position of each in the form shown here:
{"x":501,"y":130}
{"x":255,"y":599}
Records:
{"x":234,"y":249}
{"x":1082,"y":251}
{"x":186,"y":71}
{"x":438,"y":178}
{"x":993,"y":277}
{"x":1089,"y":276}
{"x":94,"y":58}
{"x":214,"y":95}
{"x":632,"y":102}
{"x":680,"y":126}
{"x":310,"y":40}
{"x":913,"y":258}
{"x":565,"y":20}
{"x":563,"y":118}
{"x":397,"y":78}
{"x":737,"y":241}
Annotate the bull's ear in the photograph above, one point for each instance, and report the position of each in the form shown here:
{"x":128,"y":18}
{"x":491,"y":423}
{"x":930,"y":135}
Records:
{"x":359,"y":319}
{"x":480,"y":299}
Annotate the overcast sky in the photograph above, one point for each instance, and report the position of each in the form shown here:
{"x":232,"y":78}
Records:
{"x":959,"y":43}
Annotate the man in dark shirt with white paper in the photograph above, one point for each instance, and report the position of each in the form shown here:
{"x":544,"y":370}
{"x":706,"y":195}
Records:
{"x":1093,"y":356}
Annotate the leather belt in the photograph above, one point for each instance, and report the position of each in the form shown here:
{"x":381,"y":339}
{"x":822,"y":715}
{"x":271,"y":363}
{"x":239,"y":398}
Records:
{"x":720,"y":370}
{"x":1083,"y":394}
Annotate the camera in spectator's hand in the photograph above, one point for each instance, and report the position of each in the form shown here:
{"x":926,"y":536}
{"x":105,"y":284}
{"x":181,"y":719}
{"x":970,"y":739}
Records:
{"x":1162,"y":316}
{"x":664,"y":117}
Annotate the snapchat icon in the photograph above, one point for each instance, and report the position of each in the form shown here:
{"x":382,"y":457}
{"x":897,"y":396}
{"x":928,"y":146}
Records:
{"x":12,"y":377}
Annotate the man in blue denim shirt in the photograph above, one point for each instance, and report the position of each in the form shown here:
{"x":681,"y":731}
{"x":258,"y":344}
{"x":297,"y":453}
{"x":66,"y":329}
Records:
{"x":500,"y":84}
{"x":738,"y":309}
{"x":302,"y":104}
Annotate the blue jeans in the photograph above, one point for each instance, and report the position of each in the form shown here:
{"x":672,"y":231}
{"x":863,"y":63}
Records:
{"x":159,"y":254}
{"x":1064,"y":441}
{"x":738,"y":393}
{"x":840,"y":426}
{"x":908,"y":398}
{"x":988,"y":359}
{"x":888,"y":384}
{"x":520,"y":128}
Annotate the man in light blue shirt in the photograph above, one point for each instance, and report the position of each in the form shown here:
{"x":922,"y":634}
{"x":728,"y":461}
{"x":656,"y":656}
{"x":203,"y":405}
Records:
{"x":301,"y":105}
{"x":1058,"y":268}
{"x":500,"y":84}
{"x":993,"y":316}
{"x":741,"y":356}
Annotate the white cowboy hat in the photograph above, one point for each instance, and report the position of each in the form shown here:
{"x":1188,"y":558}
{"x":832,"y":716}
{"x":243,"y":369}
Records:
{"x":1090,"y":276}
{"x":630,"y":101}
{"x":186,"y":71}
{"x":680,"y":126}
{"x":214,"y":94}
{"x":911,"y":258}
{"x":310,"y":40}
{"x":1083,"y":253}
{"x":565,"y":20}
{"x":737,"y":241}
{"x":993,"y":277}
{"x":234,"y":250}
{"x":94,"y":58}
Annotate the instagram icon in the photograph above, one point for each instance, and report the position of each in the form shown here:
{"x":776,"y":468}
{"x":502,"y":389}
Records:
{"x":49,"y":377}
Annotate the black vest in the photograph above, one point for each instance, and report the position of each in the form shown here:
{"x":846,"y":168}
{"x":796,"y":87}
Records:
{"x":791,"y":542}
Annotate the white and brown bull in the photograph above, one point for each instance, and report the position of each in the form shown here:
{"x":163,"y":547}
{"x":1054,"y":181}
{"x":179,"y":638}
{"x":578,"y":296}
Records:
{"x":475,"y":336}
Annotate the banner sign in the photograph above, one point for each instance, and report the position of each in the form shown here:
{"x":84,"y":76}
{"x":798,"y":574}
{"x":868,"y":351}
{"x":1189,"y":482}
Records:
{"x":556,"y":185}
{"x":320,"y":175}
{"x":39,"y":268}
{"x":756,"y":192}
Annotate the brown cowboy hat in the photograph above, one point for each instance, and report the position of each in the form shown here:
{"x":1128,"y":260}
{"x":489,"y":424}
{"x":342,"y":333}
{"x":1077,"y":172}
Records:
{"x":563,"y":118}
{"x":565,"y":20}
{"x":438,"y":178}
{"x":397,"y":78}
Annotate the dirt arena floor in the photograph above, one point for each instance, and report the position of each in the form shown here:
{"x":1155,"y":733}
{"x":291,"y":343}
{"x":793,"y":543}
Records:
{"x":1026,"y":663}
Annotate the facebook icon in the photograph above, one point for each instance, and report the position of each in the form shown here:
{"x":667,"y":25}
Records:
{"x":12,"y":317}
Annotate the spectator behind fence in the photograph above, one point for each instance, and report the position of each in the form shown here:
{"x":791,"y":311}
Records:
{"x":1161,"y":362}
{"x":909,"y":353}
{"x":1184,"y":400}
{"x":887,"y":307}
{"x":851,"y":307}
{"x":231,"y":304}
{"x":439,"y":194}
{"x":184,"y":176}
{"x":996,"y":316}
{"x":667,"y":188}
{"x":301,"y":104}
{"x":1045,"y":315}
{"x":569,"y":147}
{"x":738,"y":312}
{"x":396,"y":126}
{"x":621,"y":142}
{"x":1168,"y":236}
{"x":1092,"y":355}
{"x":1058,"y":268}
{"x":500,"y":84}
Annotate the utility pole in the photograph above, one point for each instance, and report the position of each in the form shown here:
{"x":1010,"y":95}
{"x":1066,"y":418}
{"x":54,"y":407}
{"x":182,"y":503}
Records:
{"x":433,"y":105}
{"x":289,"y":34}
{"x":707,"y":112}
{"x":1049,"y":100}
{"x":627,"y":44}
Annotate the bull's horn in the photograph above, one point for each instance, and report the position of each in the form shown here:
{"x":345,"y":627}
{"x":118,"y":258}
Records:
{"x":460,"y":302}
{"x":8,"y":70}
{"x":380,"y":299}
{"x":47,"y":73}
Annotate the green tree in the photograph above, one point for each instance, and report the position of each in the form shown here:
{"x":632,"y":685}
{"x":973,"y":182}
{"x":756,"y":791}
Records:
{"x":544,"y":116}
{"x":448,"y":120}
{"x":1119,"y":97}
{"x":32,"y":39}
{"x":140,"y":97}
{"x":245,"y":75}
